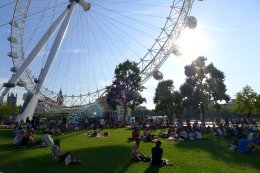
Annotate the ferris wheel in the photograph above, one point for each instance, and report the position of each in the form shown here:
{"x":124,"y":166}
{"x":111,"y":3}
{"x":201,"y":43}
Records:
{"x":73,"y":46}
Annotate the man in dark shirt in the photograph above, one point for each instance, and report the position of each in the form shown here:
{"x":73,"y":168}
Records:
{"x":157,"y":153}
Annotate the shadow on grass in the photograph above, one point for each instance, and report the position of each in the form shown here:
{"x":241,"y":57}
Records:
{"x":6,"y":133}
{"x":152,"y":169}
{"x":112,"y":159}
{"x":218,"y":147}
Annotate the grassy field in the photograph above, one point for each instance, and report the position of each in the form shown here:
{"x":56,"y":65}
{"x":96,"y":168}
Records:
{"x":113,"y":155}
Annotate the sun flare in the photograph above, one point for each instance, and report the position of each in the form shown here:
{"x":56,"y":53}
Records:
{"x":192,"y":43}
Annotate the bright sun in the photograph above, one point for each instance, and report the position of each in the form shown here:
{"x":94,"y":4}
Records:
{"x":192,"y":43}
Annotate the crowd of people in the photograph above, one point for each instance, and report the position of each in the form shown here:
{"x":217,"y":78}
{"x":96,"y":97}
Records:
{"x":244,"y":136}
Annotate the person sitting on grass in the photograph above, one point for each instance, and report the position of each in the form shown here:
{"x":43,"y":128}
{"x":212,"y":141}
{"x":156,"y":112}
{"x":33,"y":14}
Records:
{"x":183,"y":135}
{"x":157,"y":155}
{"x":47,"y":140}
{"x":245,"y":146}
{"x":198,"y":134}
{"x":136,"y":154}
{"x":28,"y":139}
{"x":146,"y":136}
{"x":65,"y":157}
{"x":135,"y":135}
{"x":18,"y":137}
{"x":257,"y":138}
{"x":219,"y":132}
{"x":234,"y":145}
{"x":251,"y":136}
{"x":191,"y":136}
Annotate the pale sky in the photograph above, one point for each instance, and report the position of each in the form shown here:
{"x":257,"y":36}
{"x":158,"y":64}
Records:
{"x":227,"y":34}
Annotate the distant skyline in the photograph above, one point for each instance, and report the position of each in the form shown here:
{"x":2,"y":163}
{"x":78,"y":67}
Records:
{"x":227,"y":34}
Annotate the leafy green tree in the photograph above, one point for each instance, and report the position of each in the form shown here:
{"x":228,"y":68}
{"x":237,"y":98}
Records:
{"x":141,"y":112}
{"x":203,"y":84}
{"x":247,"y":101}
{"x":9,"y":110}
{"x":168,"y":101}
{"x":178,"y":107}
{"x":126,"y":87}
{"x":163,"y":99}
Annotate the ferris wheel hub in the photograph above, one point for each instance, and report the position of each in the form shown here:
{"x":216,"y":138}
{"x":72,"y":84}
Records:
{"x":85,"y":5}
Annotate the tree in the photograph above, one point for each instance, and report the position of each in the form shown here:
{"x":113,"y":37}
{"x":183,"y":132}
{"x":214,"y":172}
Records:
{"x":126,"y":87}
{"x":178,"y":104}
{"x":203,"y":84}
{"x":247,"y":101}
{"x":168,"y":101}
{"x":9,"y":110}
{"x":163,"y":99}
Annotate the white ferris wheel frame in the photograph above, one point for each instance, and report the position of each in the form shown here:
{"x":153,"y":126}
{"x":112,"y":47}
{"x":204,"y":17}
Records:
{"x":152,"y":60}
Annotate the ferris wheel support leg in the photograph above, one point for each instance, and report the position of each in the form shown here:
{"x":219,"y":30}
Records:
{"x":6,"y":90}
{"x":29,"y":110}
{"x":34,"y":52}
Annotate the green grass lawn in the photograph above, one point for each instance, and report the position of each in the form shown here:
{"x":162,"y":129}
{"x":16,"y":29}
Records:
{"x":113,"y":154}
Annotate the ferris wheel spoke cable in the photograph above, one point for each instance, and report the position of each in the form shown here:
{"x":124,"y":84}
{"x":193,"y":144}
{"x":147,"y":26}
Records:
{"x":107,"y":39}
{"x":99,"y":49}
{"x":47,"y":44}
{"x":101,"y":56}
{"x":94,"y":46}
{"x":64,"y":45}
{"x":60,"y":60}
{"x":76,"y":71}
{"x":150,"y":26}
{"x":109,"y":48}
{"x":86,"y":54}
{"x":55,"y":64}
{"x":139,"y":4}
{"x":37,"y":25}
{"x":110,"y":1}
{"x":147,"y":25}
{"x":123,"y":41}
{"x":112,"y":31}
{"x":91,"y":60}
{"x":86,"y":60}
{"x":131,"y":37}
{"x":126,"y":25}
{"x":33,"y":14}
{"x":10,"y":3}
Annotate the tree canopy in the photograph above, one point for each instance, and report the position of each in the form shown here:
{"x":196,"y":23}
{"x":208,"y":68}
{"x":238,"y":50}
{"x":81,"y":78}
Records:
{"x":203,"y":84}
{"x":126,"y":87}
{"x":166,"y":100}
{"x":163,"y":98}
{"x":247,"y":101}
{"x":9,"y":110}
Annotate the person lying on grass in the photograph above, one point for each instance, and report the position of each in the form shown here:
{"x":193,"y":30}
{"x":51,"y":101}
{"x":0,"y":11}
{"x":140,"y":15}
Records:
{"x":97,"y":133}
{"x":136,"y":154}
{"x":157,"y":156}
{"x":65,"y":157}
{"x":148,"y":136}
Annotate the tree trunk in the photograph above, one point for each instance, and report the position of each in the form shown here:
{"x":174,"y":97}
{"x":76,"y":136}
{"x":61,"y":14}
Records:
{"x":203,"y":113}
{"x":124,"y":116}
